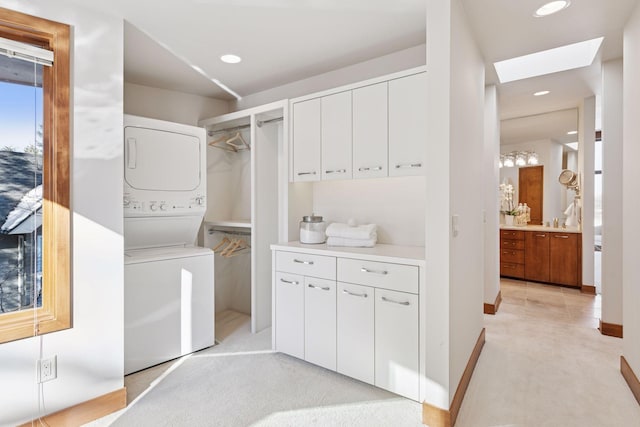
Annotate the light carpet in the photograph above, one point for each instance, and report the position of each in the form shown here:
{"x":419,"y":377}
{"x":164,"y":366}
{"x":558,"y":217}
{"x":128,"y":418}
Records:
{"x":264,"y":389}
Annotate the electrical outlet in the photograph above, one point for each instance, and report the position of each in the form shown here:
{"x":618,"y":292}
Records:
{"x":47,"y":369}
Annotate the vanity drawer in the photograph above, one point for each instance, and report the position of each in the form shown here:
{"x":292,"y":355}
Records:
{"x":512,"y":255}
{"x":306,"y":265}
{"x":511,"y":244}
{"x":511,"y":269}
{"x":512,"y":234}
{"x":397,"y":277}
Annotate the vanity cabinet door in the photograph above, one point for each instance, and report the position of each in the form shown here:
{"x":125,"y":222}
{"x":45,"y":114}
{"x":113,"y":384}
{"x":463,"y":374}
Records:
{"x":370,"y":125}
{"x":564,"y":257}
{"x":336,"y":136}
{"x":407,"y":125}
{"x":289,"y":289}
{"x":320,"y":322}
{"x":536,"y":248}
{"x":356,"y":331}
{"x":396,"y":342}
{"x":306,"y":140}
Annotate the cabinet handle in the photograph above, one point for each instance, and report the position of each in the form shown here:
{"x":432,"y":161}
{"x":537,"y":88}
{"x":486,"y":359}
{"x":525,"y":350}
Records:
{"x":375,"y":168}
{"x":300,"y":261}
{"x":336,"y":171}
{"x":325,"y":288}
{"x":541,"y":235}
{"x":344,"y":291}
{"x":290,"y":282}
{"x":561,"y":237}
{"x":385,"y":299}
{"x":366,"y":270}
{"x":408,"y":165}
{"x":306,"y":173}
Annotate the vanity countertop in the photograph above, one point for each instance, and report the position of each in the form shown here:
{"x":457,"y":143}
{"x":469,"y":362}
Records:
{"x":541,"y":228}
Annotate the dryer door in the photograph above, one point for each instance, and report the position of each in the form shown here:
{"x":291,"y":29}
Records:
{"x":159,"y":160}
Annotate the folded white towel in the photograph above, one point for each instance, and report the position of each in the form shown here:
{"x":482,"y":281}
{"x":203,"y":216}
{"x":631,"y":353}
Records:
{"x":363,"y":232}
{"x":352,"y":243}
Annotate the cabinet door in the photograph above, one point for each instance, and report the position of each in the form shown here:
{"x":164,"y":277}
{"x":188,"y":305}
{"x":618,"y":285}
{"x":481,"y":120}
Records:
{"x":370,"y":124}
{"x":336,"y":136}
{"x":289,"y":309}
{"x":396,"y":343}
{"x":355,"y":332}
{"x":531,"y":189}
{"x":306,"y":140}
{"x":407,"y":125}
{"x":320,"y":322}
{"x":536,"y":252}
{"x":563,"y":259}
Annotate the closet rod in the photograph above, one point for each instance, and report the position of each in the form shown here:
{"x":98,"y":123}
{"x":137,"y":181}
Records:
{"x":233,"y":232}
{"x":231,"y":129}
{"x":262,"y":122}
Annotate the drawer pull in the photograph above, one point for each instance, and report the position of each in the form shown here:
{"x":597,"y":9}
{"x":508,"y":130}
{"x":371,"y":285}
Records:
{"x":561,"y":237}
{"x":322,"y":288}
{"x":366,"y":270}
{"x":541,"y":235}
{"x":306,"y":173}
{"x":291,"y":282}
{"x":299,"y":261}
{"x":336,"y":171}
{"x":375,"y":168}
{"x":344,"y":291}
{"x":385,"y":299}
{"x":408,"y":165}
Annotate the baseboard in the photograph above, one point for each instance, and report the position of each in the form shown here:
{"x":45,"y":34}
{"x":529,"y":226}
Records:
{"x":438,"y":417}
{"x":630,"y":377}
{"x":493,"y":308}
{"x":85,"y":412}
{"x":610,"y":329}
{"x":588,"y":289}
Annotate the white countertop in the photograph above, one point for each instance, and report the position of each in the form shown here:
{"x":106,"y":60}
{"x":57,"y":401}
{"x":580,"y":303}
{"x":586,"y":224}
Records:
{"x":541,"y":228}
{"x":412,"y":255}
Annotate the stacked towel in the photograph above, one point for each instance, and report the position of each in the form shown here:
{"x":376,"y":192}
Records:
{"x":361,"y":236}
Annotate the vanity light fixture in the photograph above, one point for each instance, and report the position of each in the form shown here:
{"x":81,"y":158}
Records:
{"x":230,"y":59}
{"x":518,"y":158}
{"x":551,"y":8}
{"x":541,"y":93}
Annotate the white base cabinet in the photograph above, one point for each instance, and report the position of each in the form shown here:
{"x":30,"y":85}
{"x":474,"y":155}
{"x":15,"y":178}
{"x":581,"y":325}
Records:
{"x":360,"y":318}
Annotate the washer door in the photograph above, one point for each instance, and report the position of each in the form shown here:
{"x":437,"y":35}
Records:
{"x":159,"y":160}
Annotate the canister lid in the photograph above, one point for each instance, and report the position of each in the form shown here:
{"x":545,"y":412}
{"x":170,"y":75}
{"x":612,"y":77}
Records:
{"x":312,"y":218}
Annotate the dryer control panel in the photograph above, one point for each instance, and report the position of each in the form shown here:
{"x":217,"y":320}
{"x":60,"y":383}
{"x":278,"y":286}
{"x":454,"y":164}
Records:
{"x":170,"y":206}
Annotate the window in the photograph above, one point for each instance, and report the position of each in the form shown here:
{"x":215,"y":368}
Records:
{"x":47,"y":307}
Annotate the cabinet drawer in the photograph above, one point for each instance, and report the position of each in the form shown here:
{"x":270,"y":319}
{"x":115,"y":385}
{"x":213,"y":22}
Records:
{"x":512,"y":234}
{"x":396,"y":277}
{"x":512,"y":256}
{"x":511,"y":244}
{"x":307,"y":265}
{"x":511,"y":269}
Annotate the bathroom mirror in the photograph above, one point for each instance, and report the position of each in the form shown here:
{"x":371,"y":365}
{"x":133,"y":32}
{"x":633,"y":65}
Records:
{"x":553,"y":138}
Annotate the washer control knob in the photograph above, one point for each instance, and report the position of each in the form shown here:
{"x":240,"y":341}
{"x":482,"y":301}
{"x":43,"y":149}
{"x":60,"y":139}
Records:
{"x":153,"y":207}
{"x":126,"y":202}
{"x":199,"y":200}
{"x":163,"y":207}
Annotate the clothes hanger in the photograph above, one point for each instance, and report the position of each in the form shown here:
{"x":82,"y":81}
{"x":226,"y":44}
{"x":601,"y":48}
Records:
{"x":237,"y":246}
{"x":242,"y":146}
{"x":221,"y":140}
{"x":223,"y":242}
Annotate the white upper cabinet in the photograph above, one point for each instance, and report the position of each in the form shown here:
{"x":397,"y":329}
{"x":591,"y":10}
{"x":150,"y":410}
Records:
{"x":306,"y":140}
{"x":336,"y":136}
{"x":407,"y":125}
{"x":370,"y":131}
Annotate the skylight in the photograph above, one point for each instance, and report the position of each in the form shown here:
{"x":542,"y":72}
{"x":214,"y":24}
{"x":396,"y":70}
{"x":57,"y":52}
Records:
{"x":549,"y":61}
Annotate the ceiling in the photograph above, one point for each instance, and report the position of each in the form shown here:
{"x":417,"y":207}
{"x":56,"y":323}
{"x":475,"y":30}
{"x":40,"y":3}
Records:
{"x":282,"y":41}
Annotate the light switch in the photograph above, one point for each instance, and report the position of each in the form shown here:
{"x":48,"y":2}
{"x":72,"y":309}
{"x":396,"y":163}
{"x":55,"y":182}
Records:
{"x":455,"y":220}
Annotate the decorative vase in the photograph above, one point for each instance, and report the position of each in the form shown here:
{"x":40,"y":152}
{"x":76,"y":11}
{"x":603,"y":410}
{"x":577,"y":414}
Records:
{"x":508,"y":219}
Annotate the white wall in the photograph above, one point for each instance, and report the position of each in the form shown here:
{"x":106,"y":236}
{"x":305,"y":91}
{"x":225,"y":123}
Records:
{"x":491,"y":199}
{"x":455,"y":263}
{"x":630,"y":200}
{"x":170,"y":105}
{"x":586,"y":166}
{"x":397,"y":61}
{"x":90,"y":355}
{"x":612,"y":192}
{"x":550,"y":156}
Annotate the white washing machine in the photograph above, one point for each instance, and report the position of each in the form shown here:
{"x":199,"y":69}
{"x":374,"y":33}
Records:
{"x":169,"y":282}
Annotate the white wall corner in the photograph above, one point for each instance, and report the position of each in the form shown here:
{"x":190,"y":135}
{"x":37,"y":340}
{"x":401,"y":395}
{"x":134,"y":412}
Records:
{"x":491,"y":199}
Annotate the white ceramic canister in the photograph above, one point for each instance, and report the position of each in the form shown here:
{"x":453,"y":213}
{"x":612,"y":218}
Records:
{"x":312,"y":229}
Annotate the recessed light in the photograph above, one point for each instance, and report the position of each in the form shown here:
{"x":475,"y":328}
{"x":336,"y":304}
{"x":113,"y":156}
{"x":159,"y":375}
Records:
{"x":230,"y":59}
{"x":572,"y":132}
{"x":561,"y":58}
{"x":542,"y":92}
{"x":551,"y":8}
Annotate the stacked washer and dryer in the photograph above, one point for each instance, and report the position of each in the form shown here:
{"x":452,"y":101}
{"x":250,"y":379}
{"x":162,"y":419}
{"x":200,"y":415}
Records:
{"x":169,"y":282}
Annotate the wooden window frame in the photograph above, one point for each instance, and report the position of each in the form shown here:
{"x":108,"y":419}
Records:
{"x":55,"y":312}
